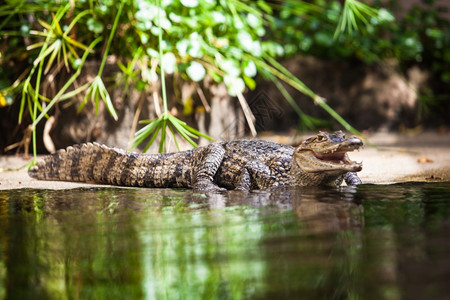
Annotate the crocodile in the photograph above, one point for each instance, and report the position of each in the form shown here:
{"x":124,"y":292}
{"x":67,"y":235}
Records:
{"x":242,"y":164}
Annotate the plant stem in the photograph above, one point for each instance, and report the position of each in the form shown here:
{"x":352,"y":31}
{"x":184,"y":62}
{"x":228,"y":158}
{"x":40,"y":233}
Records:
{"x":35,"y":104}
{"x":161,"y":65}
{"x":111,"y":35}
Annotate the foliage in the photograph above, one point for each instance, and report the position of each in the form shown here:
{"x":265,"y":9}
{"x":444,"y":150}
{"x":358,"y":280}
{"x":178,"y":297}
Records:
{"x":166,"y":119}
{"x":421,"y":36}
{"x":230,"y":41}
{"x":432,"y":37}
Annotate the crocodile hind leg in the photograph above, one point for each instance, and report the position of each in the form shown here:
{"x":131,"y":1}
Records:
{"x":208,"y":162}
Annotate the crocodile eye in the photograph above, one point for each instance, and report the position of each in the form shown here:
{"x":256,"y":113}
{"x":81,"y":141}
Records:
{"x":321,"y":138}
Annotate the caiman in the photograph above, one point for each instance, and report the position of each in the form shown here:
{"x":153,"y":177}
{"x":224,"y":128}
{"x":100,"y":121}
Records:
{"x":242,"y":164}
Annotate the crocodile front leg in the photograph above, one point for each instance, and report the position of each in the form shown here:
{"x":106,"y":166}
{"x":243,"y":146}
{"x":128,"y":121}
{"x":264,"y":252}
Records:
{"x":352,"y":179}
{"x":207,"y":163}
{"x":255,"y":174}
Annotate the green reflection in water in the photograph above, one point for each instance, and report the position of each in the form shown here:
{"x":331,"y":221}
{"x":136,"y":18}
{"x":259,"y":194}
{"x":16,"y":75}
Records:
{"x":373,"y":242}
{"x":205,"y":259}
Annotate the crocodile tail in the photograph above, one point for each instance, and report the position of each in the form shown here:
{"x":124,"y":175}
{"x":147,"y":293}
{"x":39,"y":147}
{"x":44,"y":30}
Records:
{"x":90,"y":162}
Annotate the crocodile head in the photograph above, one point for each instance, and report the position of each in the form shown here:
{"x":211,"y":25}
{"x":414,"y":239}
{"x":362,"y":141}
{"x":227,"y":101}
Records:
{"x":327,"y":153}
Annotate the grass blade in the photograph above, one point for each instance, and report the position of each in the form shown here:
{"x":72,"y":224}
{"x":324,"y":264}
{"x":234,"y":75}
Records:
{"x":56,"y":51}
{"x":67,"y":84}
{"x":152,"y":139}
{"x":174,"y":137}
{"x":163,"y":136}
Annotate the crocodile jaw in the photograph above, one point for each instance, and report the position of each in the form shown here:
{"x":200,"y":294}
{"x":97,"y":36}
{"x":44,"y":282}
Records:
{"x":310,"y":162}
{"x":337,"y":161}
{"x":333,"y":158}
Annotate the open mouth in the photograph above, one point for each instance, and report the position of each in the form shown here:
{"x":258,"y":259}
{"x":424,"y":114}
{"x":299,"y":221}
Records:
{"x":340,"y":157}
{"x":336,"y":158}
{"x":331,"y":157}
{"x":338,"y":154}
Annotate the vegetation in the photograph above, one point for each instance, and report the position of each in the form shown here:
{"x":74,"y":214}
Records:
{"x":421,"y":37}
{"x":230,"y":41}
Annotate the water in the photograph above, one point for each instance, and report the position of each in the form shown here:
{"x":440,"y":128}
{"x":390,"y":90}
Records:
{"x":370,"y":242}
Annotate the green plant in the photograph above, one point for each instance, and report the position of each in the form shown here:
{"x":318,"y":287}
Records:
{"x":97,"y":88}
{"x":230,"y":41}
{"x":166,"y":119}
{"x":353,"y":12}
{"x":421,"y":37}
{"x":431,"y":32}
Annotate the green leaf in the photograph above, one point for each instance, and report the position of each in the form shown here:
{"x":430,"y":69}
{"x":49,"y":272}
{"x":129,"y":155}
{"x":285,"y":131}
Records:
{"x":182,"y":47}
{"x":174,"y":137}
{"x":254,"y":21}
{"x":230,"y":66}
{"x":196,"y":71}
{"x":163,"y":135}
{"x":249,"y":82}
{"x":189,"y":3}
{"x":170,"y":62}
{"x":250,"y":68}
{"x":155,"y":134}
{"x":56,"y":46}
{"x":74,"y":92}
{"x":195,"y":48}
{"x":234,"y":85}
{"x":385,"y":15}
{"x":47,"y":52}
{"x":67,"y":84}
{"x":186,"y":134}
{"x":144,"y":132}
{"x":94,"y":25}
{"x":245,"y":39}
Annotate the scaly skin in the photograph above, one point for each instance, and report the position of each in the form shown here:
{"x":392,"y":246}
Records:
{"x":243,"y":164}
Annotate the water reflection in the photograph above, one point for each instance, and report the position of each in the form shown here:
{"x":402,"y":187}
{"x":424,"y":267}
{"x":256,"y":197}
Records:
{"x":370,"y":242}
{"x":320,"y":210}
